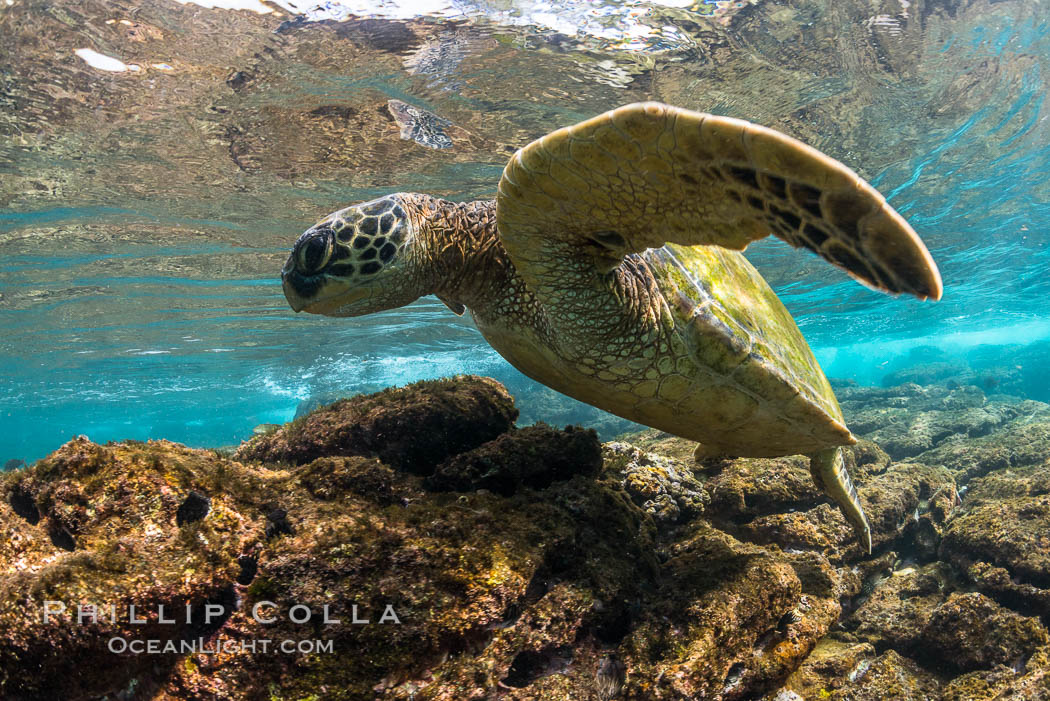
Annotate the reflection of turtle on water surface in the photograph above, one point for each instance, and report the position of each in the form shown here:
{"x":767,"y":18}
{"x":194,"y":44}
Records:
{"x":608,"y":268}
{"x":425,"y":128}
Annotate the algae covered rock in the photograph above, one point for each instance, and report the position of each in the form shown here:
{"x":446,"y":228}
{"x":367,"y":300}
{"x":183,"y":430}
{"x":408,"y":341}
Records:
{"x":842,"y":671}
{"x":898,"y":606}
{"x":117,"y":509}
{"x":1026,"y":680}
{"x":1010,"y":533}
{"x":411,"y":428}
{"x":890,"y":676}
{"x":833,"y":665}
{"x":970,"y":631}
{"x":1021,"y":442}
{"x":910,"y":419}
{"x":560,"y":570}
{"x":728,"y":618}
{"x":773,"y":500}
{"x":661,"y":485}
{"x":524,"y":563}
{"x":533,"y":456}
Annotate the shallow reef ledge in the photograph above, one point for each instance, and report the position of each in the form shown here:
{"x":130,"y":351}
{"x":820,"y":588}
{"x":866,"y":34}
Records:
{"x":535,"y":562}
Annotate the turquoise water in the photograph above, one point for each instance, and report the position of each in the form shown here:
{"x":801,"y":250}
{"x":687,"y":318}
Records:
{"x":139,"y":291}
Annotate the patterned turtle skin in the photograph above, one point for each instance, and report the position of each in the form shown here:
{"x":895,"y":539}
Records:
{"x":609,"y":268}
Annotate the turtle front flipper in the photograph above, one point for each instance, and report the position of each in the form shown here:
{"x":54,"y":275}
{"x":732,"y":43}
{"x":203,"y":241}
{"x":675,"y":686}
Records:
{"x":829,"y":472}
{"x":648,"y":174}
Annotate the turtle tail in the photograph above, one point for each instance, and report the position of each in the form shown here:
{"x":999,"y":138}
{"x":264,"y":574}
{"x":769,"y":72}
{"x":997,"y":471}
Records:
{"x":829,"y":472}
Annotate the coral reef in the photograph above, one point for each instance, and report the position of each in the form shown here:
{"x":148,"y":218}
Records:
{"x":443,"y":553}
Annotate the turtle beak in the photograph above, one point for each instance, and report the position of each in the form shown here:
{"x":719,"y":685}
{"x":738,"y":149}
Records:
{"x":303,"y":293}
{"x":294,"y":301}
{"x":288,"y":279}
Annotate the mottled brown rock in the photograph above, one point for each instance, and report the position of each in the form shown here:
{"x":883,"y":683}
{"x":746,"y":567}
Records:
{"x":411,"y":428}
{"x":1012,"y":533}
{"x":534,"y":596}
{"x":1020,"y":443}
{"x":832,"y":666}
{"x":744,"y":489}
{"x":1027,"y":682}
{"x":821,"y":529}
{"x":970,"y":631}
{"x":842,"y":671}
{"x":898,"y":606}
{"x":662,"y":486}
{"x":533,"y":457}
{"x":720,"y":623}
{"x":117,"y":506}
{"x":889,"y":676}
{"x":333,"y":478}
{"x":774,"y":500}
{"x":909,"y":419}
{"x":997,"y":583}
{"x":894,"y":500}
{"x":1010,"y":482}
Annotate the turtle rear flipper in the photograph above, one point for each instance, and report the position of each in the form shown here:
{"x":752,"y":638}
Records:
{"x":648,"y":174}
{"x":829,"y":473}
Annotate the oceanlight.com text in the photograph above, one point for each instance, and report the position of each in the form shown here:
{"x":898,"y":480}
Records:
{"x":200,"y":646}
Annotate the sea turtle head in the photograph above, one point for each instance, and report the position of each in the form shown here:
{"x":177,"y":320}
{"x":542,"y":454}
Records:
{"x":355,"y":261}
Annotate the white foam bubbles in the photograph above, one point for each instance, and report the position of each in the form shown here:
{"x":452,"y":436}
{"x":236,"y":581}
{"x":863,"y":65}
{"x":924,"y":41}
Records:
{"x":104,"y":63}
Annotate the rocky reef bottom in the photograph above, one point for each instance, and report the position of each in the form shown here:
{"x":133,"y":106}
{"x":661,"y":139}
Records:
{"x":415,"y":544}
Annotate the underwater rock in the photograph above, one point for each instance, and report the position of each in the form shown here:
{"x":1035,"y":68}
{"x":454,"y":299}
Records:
{"x":925,"y":430}
{"x":1020,"y":370}
{"x":533,"y":592}
{"x":540,"y":403}
{"x":909,"y":419}
{"x":926,"y":632}
{"x":572,"y":590}
{"x":926,"y":374}
{"x":456,"y":572}
{"x":831,"y":666}
{"x":999,"y":538}
{"x":839,"y":670}
{"x":1010,"y":533}
{"x":970,"y":631}
{"x":745,"y":489}
{"x":619,"y":572}
{"x":727,"y":618}
{"x":118,"y":504}
{"x":774,"y":501}
{"x":997,"y":583}
{"x":329,"y":479}
{"x":661,"y":443}
{"x":742,"y":489}
{"x":1020,"y":442}
{"x":663,"y":487}
{"x":410,"y":428}
{"x":889,"y":676}
{"x":895,"y":496}
{"x":898,"y":606}
{"x":1027,"y":681}
{"x":533,"y":457}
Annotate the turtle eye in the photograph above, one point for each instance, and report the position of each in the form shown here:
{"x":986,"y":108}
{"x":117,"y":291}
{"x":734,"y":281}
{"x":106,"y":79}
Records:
{"x":314,"y":252}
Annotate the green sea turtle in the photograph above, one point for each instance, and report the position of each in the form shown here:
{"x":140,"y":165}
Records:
{"x":608,"y":268}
